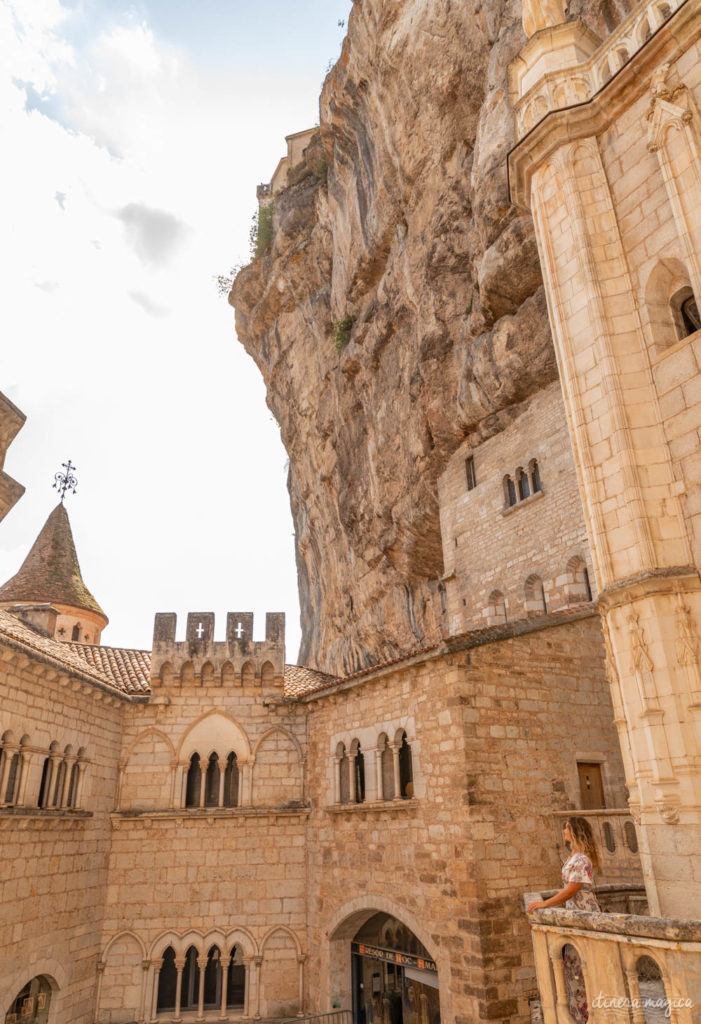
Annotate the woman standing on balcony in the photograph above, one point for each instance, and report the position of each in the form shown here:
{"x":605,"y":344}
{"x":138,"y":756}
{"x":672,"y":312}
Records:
{"x":577,"y":894}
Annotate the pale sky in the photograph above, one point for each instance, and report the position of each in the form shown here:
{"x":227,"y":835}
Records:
{"x":134,"y":135}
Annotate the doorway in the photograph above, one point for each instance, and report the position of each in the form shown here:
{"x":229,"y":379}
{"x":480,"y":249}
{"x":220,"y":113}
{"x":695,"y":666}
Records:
{"x":394,"y":979}
{"x":591,"y":786}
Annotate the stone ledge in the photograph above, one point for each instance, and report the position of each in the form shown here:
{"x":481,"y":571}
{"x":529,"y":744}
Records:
{"x":381,"y":806}
{"x":209,"y":814}
{"x":44,"y":814}
{"x":509,"y":509}
{"x":625,"y":925}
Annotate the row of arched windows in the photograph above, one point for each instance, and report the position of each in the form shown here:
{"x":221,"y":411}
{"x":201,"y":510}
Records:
{"x":214,"y":783}
{"x":209,"y":676}
{"x":522,"y":484}
{"x":60,"y":781}
{"x":394,"y":772}
{"x":577,"y":589}
{"x":213,"y":982}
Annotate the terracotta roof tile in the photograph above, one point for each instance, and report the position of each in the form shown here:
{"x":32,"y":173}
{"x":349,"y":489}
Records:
{"x":300,"y":680}
{"x":127,"y":669}
{"x":59,"y":653}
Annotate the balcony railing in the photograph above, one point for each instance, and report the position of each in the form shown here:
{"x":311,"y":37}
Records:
{"x":641,"y":970}
{"x":616,"y":837}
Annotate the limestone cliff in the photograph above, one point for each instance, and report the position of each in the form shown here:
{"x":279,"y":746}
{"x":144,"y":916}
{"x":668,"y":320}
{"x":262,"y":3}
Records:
{"x":402,"y":223}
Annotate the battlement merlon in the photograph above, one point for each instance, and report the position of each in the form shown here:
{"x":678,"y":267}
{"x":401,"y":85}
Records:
{"x":229,"y":661}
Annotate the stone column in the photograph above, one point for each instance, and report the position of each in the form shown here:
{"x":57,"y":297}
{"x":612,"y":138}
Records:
{"x":222,"y":779}
{"x":378,"y":774}
{"x":201,"y":967}
{"x":248,"y":962}
{"x":179,"y":967}
{"x":156,"y":964}
{"x":203,"y":783}
{"x":352,"y":781}
{"x":145,"y":975}
{"x":337,"y":780}
{"x":224,"y":986}
{"x":395,"y":765}
{"x":300,"y":960}
{"x":9,"y":751}
{"x":121,"y":769}
{"x":634,"y":992}
{"x":54,"y":760}
{"x":25,"y":763}
{"x":259,"y":964}
{"x":183,"y":783}
{"x":174,"y":780}
{"x":544,"y":974}
{"x":98,"y":989}
{"x":562,"y":1009}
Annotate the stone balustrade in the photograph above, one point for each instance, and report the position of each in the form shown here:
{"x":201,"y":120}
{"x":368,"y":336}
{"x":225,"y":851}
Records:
{"x":566,"y":65}
{"x":636,"y":969}
{"x":617,"y":839}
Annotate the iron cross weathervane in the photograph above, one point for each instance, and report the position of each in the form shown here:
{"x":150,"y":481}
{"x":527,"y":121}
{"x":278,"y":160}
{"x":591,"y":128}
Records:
{"x":64,"y":482}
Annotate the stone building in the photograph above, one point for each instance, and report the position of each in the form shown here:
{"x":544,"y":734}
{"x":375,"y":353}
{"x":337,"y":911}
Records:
{"x":205,"y":832}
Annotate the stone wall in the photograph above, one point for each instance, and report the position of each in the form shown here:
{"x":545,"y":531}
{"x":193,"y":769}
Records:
{"x":495,"y":730}
{"x":489,"y":545}
{"x":211,"y":875}
{"x":53,"y":870}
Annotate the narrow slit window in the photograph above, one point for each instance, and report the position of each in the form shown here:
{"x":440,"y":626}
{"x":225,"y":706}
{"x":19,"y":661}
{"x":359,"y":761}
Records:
{"x":470,"y":472}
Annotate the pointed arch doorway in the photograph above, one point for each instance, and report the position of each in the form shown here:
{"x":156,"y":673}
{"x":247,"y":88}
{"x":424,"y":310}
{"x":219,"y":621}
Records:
{"x":394,"y":978}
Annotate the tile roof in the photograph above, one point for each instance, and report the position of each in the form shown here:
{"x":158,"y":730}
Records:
{"x":51,"y":573}
{"x":127,"y":669}
{"x":300,"y":680}
{"x":62,"y":655}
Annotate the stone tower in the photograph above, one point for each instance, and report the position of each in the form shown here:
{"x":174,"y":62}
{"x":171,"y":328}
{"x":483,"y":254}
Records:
{"x":608,"y":160}
{"x":48,"y":591}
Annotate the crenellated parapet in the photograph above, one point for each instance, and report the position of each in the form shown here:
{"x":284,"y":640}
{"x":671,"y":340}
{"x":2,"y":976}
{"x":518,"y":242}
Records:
{"x":200,"y":660}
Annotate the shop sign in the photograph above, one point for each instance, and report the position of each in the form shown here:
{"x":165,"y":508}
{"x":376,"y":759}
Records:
{"x":391,"y":956}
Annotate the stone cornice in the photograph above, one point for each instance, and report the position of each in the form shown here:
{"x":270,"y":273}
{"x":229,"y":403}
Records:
{"x":591,"y":118}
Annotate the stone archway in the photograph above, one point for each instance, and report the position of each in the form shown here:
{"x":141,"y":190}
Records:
{"x":344,"y":926}
{"x":32,"y":1003}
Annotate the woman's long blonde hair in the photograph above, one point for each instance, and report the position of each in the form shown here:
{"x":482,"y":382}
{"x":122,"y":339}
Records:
{"x":583,"y":837}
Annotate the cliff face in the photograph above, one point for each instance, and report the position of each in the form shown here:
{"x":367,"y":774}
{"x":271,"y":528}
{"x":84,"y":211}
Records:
{"x":412,"y":235}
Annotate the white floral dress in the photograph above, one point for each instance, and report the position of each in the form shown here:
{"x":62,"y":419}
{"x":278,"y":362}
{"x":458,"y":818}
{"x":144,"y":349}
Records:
{"x":578,"y":869}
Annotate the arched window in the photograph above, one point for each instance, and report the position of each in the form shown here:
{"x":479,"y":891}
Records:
{"x":578,"y":586}
{"x":343,"y":774}
{"x":236,"y":982}
{"x":631,"y":836}
{"x":609,"y":840}
{"x":358,"y":772}
{"x":167,"y":981}
{"x":574,"y":981}
{"x":194,"y":782}
{"x":231,"y":781}
{"x":671,"y":308}
{"x":534,"y":470}
{"x":524,"y":489}
{"x":72,"y":800}
{"x":509,"y":492}
{"x":31,"y":1005}
{"x":685,"y":312}
{"x":496,"y":608}
{"x":406,"y":770}
{"x":190,"y":993}
{"x":387,"y":766}
{"x":43,"y":798}
{"x":75,"y":634}
{"x":652,"y":990}
{"x":213,"y":979}
{"x":211,"y":782}
{"x":60,"y":783}
{"x":535,"y":596}
{"x":207,"y":674}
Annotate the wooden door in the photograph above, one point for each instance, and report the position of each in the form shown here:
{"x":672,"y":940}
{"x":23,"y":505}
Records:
{"x":590,"y":786}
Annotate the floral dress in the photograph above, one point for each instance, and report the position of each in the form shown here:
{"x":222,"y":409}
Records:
{"x":578,"y":869}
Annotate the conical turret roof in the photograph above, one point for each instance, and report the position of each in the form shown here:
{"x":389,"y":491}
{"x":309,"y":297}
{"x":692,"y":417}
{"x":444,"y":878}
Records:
{"x":50,"y":573}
